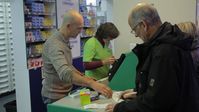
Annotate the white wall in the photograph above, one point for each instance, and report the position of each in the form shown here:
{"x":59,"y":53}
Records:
{"x":109,"y":10}
{"x":20,"y":66}
{"x":173,"y":11}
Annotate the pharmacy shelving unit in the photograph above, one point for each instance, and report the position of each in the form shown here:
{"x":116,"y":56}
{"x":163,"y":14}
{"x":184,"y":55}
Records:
{"x":89,"y":15}
{"x":91,"y":21}
{"x":40,"y":22}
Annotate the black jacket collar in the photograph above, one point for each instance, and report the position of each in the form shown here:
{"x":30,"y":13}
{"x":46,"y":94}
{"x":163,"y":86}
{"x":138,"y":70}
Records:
{"x":167,"y":34}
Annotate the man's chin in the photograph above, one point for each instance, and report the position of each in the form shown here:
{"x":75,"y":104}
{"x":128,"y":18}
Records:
{"x":72,"y":37}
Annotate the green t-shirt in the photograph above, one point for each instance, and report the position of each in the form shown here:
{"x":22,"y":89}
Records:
{"x":94,"y":51}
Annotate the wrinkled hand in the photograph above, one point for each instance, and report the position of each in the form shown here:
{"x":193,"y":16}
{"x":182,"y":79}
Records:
{"x":109,"y":60}
{"x":110,"y":107}
{"x":101,"y":88}
{"x":128,"y":94}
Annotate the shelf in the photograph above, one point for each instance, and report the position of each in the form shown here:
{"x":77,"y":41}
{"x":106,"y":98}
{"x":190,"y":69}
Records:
{"x":39,"y":14}
{"x":41,"y":1}
{"x":35,"y":56}
{"x":43,"y":27}
{"x":85,"y":37}
{"x":35,"y":42}
{"x":45,"y":1}
{"x":82,"y":5}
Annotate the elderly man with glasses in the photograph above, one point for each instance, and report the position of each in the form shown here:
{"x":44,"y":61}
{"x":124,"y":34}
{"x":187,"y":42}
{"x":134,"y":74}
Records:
{"x":165,"y":79}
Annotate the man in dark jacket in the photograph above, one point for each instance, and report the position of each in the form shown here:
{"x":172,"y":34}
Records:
{"x":165,"y":79}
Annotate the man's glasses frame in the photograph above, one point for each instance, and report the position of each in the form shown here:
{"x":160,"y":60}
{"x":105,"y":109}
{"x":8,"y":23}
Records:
{"x":134,"y":28}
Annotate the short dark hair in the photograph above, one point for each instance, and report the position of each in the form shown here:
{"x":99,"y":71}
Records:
{"x":107,"y":29}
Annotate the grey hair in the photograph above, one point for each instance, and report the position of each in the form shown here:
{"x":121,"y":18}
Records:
{"x":144,"y":12}
{"x":70,"y":16}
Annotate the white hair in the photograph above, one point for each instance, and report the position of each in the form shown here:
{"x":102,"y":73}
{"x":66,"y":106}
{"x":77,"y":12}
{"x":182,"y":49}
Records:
{"x":70,"y":17}
{"x":144,"y":12}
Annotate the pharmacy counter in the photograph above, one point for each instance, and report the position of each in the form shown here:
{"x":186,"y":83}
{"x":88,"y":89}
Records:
{"x":68,"y":104}
{"x":123,"y":79}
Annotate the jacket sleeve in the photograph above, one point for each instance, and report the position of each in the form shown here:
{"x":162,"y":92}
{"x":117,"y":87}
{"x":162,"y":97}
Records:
{"x":160,"y":83}
{"x":126,"y":106}
{"x":61,"y":64}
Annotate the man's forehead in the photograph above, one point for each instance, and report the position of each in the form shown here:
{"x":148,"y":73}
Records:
{"x":131,"y":23}
{"x":78,"y":23}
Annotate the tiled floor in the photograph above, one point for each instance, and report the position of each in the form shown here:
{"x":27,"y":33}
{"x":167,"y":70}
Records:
{"x":5,"y":99}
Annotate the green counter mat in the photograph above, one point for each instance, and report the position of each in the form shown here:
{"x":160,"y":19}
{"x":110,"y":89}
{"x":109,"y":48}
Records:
{"x":59,"y":108}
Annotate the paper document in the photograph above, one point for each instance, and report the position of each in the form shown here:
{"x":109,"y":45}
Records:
{"x":95,"y":106}
{"x":116,"y":96}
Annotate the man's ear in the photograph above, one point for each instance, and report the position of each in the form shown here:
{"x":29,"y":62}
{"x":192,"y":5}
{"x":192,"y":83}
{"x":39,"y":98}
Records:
{"x":68,"y":25}
{"x":145,"y":25}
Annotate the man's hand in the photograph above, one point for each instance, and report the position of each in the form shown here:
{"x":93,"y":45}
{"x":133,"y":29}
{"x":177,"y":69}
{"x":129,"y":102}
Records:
{"x":101,"y":88}
{"x":110,"y":107}
{"x":128,"y":94}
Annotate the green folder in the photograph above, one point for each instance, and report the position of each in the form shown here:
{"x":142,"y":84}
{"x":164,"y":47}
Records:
{"x":124,"y":77}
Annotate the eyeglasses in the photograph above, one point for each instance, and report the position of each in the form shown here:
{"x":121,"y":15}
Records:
{"x":134,"y":28}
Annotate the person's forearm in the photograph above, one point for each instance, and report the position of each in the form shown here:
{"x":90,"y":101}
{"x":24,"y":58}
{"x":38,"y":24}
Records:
{"x":92,"y":65}
{"x":78,"y":79}
{"x":88,"y":82}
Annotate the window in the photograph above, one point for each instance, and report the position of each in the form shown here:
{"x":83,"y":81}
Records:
{"x":89,"y":2}
{"x":7,"y":81}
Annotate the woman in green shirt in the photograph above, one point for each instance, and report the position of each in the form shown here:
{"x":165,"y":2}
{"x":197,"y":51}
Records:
{"x":97,"y":56}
